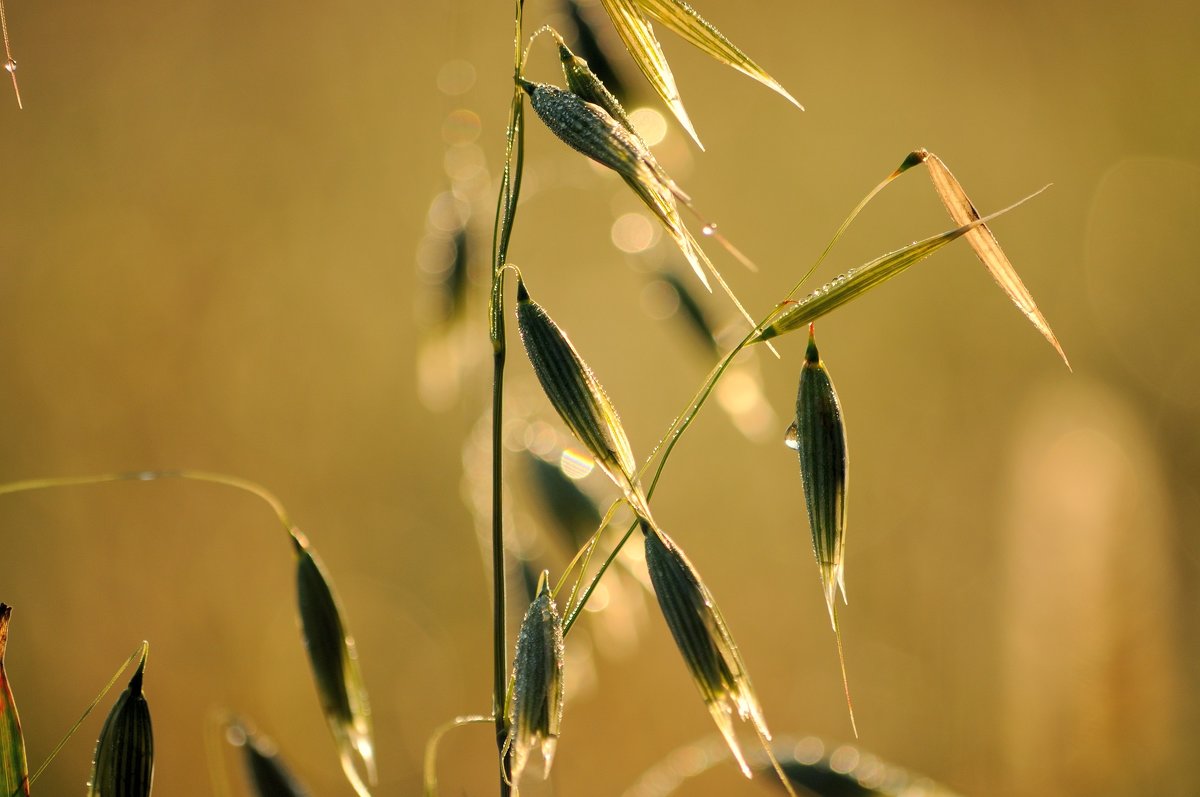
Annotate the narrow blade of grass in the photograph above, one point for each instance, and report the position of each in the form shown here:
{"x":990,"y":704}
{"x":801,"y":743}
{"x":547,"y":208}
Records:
{"x":637,"y":34}
{"x":123,"y":765}
{"x":683,"y":19}
{"x":265,"y":770}
{"x":962,"y":211}
{"x":334,"y":661}
{"x":14,"y":767}
{"x":857,"y":281}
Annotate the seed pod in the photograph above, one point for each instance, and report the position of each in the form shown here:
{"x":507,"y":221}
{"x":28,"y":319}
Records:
{"x":703,"y":640}
{"x":124,"y":762}
{"x":334,"y":661}
{"x":590,"y":129}
{"x":14,"y":768}
{"x":535,"y":711}
{"x":266,"y":772}
{"x":578,"y":397}
{"x":821,"y":446}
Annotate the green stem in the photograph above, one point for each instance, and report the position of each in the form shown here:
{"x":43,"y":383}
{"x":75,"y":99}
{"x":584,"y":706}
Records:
{"x":506,"y":207}
{"x":245,"y":485}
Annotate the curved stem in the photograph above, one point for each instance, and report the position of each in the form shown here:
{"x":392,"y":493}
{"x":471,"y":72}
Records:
{"x":432,"y":745}
{"x":238,"y":483}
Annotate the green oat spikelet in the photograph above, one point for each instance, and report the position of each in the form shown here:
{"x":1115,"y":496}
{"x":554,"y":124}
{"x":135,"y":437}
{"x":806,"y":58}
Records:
{"x":14,"y":767}
{"x":587,"y":85}
{"x":123,"y":765}
{"x":819,"y":434}
{"x":535,"y":711}
{"x":334,"y":660}
{"x":591,"y":130}
{"x":703,"y":640}
{"x":578,"y":397}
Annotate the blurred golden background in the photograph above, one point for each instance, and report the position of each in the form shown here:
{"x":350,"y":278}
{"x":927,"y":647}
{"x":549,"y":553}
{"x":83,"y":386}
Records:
{"x":215,"y":255}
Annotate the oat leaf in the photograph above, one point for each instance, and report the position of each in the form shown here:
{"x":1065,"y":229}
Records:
{"x":981,"y":239}
{"x":683,"y":19}
{"x":334,"y":661}
{"x":14,"y":768}
{"x":638,"y":35}
{"x":123,"y":765}
{"x":578,"y":397}
{"x":857,"y":281}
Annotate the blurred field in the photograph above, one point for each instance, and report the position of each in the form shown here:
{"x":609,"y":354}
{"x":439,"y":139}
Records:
{"x":208,"y":249}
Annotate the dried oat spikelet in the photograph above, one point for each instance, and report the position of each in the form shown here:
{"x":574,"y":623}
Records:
{"x":535,"y":711}
{"x":703,"y":640}
{"x":578,"y":397}
{"x":590,"y":129}
{"x":124,"y":762}
{"x":819,"y":437}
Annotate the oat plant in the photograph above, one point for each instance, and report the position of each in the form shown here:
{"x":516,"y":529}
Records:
{"x":586,"y":115}
{"x":526,"y":714}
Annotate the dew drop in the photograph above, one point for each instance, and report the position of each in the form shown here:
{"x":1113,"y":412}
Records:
{"x":10,"y":65}
{"x":791,"y":438}
{"x":709,"y":229}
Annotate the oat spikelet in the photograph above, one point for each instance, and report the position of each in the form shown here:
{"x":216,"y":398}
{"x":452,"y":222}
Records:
{"x":535,"y":712}
{"x":703,"y":640}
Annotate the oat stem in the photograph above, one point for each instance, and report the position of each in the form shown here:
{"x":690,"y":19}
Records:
{"x":506,"y":206}
{"x":245,"y":485}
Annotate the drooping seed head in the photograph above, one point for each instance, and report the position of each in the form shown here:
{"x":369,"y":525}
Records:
{"x":590,"y":129}
{"x":334,"y":660}
{"x":703,"y":639}
{"x":123,"y":765}
{"x":820,"y":437}
{"x":578,"y":397}
{"x":535,"y":712}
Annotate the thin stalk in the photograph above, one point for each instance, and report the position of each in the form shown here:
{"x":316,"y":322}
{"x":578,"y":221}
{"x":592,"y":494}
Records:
{"x":506,"y":207}
{"x":141,"y":651}
{"x":245,"y":485}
